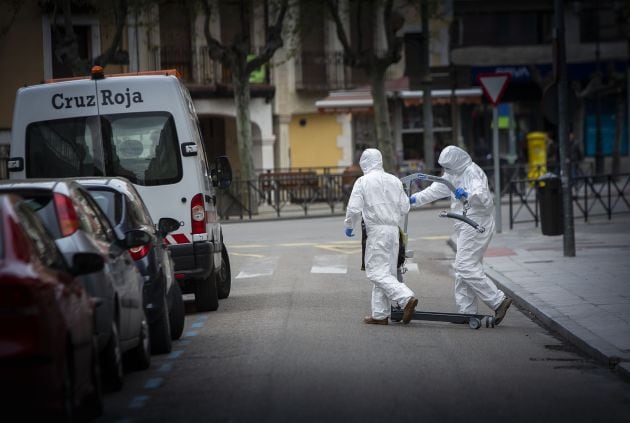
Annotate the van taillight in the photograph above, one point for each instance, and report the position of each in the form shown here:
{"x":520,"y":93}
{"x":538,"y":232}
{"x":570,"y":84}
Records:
{"x":67,"y":215}
{"x":198,"y":215}
{"x":138,"y":252}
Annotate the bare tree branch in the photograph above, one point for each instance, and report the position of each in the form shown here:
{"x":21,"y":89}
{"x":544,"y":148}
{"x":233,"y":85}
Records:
{"x":120,"y":17}
{"x":274,"y":40}
{"x":216,"y":50}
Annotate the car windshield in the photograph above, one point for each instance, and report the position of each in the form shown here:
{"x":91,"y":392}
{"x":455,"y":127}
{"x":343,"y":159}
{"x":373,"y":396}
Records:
{"x":142,"y":147}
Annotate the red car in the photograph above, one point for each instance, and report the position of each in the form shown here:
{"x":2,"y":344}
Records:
{"x":48,"y":354}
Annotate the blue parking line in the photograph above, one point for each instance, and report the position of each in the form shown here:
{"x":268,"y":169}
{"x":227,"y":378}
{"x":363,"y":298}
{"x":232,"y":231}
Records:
{"x":138,"y":401}
{"x":202,"y":318}
{"x":166,"y":367}
{"x":174,"y":354}
{"x":191,"y":333}
{"x":197,"y":325}
{"x":183,"y":342}
{"x":154,"y":383}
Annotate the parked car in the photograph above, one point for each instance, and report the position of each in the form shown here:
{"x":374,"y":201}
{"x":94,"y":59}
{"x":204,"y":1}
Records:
{"x":77,"y":224}
{"x":48,"y":352}
{"x":163,"y":302}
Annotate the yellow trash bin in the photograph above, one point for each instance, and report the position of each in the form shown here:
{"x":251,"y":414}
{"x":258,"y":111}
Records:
{"x":537,"y":154}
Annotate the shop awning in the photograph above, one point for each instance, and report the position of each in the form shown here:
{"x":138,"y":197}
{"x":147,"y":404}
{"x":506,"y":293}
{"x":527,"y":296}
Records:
{"x":360,"y":101}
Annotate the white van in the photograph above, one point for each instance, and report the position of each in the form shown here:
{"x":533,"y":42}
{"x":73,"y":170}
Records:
{"x":142,"y":127}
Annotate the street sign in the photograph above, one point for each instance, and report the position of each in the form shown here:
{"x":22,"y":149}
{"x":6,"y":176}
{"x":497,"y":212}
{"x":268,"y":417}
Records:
{"x":494,"y":85}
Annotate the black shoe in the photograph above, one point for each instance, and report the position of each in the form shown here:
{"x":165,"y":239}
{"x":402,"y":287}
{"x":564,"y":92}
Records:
{"x":499,"y":313}
{"x":409,"y":309}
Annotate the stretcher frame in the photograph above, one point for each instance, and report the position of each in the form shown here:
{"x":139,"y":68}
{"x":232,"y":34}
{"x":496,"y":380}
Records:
{"x":474,"y":320}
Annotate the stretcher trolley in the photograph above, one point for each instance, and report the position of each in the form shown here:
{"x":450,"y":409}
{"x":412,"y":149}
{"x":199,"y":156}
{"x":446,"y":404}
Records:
{"x":474,"y":321}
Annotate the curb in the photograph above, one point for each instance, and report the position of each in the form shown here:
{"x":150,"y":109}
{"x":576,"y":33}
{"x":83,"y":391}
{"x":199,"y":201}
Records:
{"x":582,"y":338}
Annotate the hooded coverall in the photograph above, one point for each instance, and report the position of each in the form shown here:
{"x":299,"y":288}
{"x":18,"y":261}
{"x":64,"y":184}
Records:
{"x":380,"y":199}
{"x":471,"y":281}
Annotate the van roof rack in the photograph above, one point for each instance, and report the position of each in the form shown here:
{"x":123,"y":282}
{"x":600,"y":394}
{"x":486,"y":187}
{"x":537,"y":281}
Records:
{"x":97,"y":73}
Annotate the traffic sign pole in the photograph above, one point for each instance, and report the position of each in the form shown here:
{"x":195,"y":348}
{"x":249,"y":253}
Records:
{"x":494,"y":85}
{"x":497,"y":170}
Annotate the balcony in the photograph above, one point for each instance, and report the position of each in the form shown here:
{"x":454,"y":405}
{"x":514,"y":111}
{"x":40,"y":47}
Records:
{"x":320,"y":71}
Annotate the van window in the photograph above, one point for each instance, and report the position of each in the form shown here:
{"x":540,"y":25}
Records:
{"x":64,"y":148}
{"x":142,"y":147}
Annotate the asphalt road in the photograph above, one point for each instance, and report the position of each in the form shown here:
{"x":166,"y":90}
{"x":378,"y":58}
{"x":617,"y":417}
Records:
{"x":289,"y":345}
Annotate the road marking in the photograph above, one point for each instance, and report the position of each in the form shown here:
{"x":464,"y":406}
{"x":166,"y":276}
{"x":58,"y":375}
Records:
{"x":202,"y":317}
{"x":191,"y":333}
{"x":154,"y":383}
{"x":247,"y":255}
{"x":431,"y":238}
{"x":174,"y":354}
{"x":258,"y":267}
{"x":330,"y":264}
{"x":341,"y":248}
{"x":166,"y":367}
{"x":139,"y":401}
{"x":412,"y":267}
{"x":197,"y":325}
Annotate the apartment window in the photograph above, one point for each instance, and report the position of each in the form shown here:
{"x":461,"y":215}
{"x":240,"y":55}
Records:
{"x":505,"y":29}
{"x":601,"y":25}
{"x":175,"y":43}
{"x":87,"y":31}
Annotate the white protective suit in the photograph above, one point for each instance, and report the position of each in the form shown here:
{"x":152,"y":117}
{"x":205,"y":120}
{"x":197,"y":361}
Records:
{"x":471,"y":281}
{"x":380,"y":199}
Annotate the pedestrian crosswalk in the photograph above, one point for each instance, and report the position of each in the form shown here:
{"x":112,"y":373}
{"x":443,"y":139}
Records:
{"x":253,"y":266}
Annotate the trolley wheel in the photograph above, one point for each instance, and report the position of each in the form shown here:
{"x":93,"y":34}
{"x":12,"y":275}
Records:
{"x":474,"y":323}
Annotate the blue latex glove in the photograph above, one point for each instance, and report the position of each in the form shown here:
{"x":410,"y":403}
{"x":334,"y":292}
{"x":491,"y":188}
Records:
{"x":461,"y":193}
{"x":412,"y":200}
{"x":349,"y":232}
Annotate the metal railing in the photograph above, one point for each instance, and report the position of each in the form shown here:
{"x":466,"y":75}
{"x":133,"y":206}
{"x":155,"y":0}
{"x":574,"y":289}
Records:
{"x":591,"y":195}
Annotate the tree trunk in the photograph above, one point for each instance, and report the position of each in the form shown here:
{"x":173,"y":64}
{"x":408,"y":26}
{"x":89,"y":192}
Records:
{"x":240,"y":81}
{"x":427,"y":105}
{"x":381,"y":119}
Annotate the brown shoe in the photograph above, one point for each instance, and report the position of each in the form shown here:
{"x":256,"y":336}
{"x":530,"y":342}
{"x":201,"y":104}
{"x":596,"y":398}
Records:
{"x":499,"y":313}
{"x":372,"y":321}
{"x":409,"y":309}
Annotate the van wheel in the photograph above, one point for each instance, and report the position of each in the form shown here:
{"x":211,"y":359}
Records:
{"x":112,"y":362}
{"x":206,"y":298}
{"x":224,"y":276}
{"x":177,"y":312}
{"x":161,"y":332}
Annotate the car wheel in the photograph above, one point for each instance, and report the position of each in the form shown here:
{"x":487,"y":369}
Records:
{"x":177,"y":312}
{"x":112,"y":362}
{"x":224,"y":276}
{"x":161,"y":332}
{"x":93,"y":403}
{"x":68,"y":409}
{"x":140,"y":356}
{"x":206,"y":298}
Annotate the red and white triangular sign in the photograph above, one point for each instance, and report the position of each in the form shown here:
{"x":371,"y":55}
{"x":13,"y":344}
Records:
{"x":494,"y":85}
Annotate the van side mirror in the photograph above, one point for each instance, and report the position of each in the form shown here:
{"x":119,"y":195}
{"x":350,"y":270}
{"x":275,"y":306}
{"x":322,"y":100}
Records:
{"x":166,"y":225}
{"x":222,"y":173}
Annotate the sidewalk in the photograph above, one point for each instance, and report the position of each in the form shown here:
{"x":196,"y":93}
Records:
{"x":586,"y":298}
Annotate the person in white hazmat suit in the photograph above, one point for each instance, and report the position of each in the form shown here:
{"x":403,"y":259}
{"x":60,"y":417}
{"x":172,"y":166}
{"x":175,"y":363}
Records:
{"x":471,"y":281}
{"x":379,"y":198}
